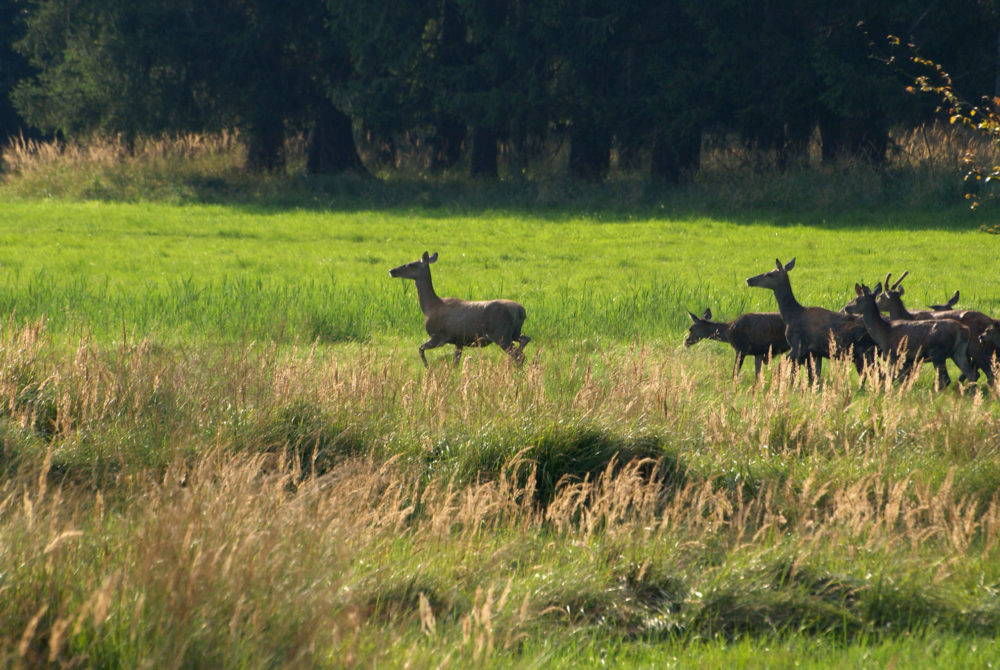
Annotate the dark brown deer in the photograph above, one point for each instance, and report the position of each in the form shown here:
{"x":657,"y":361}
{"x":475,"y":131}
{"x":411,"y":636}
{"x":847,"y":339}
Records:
{"x":810,"y":330}
{"x":947,"y":306}
{"x":757,"y":334}
{"x":982,"y":351}
{"x":908,"y":342}
{"x":990,"y":339}
{"x":462,"y":322}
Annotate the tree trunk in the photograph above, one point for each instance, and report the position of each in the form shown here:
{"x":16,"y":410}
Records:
{"x":996,"y":73}
{"x":589,"y":152}
{"x":331,"y":144}
{"x":446,"y":145}
{"x":449,"y":131}
{"x":677,"y":156}
{"x":483,"y":154}
{"x":266,"y":145}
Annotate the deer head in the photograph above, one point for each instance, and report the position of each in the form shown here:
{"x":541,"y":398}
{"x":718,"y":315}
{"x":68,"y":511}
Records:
{"x":889,"y":293}
{"x":415,"y":270}
{"x":773,"y":278}
{"x":863,"y":296}
{"x":700,"y":328}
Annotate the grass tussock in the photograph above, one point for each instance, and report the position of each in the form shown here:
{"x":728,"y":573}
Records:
{"x":248,"y":506}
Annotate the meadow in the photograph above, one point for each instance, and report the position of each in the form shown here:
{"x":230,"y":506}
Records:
{"x":220,"y":448}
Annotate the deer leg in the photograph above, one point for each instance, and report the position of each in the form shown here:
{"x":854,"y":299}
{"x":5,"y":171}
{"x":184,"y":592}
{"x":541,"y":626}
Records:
{"x":516,"y":353}
{"x":942,"y":379}
{"x":904,"y":367}
{"x":758,"y":361}
{"x":979,"y":358}
{"x":969,"y":372}
{"x":505,"y":342}
{"x":432,"y":343}
{"x":739,"y":364}
{"x":519,"y":351}
{"x":814,"y":364}
{"x":458,"y":353}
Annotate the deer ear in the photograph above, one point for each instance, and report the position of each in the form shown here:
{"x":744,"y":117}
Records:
{"x":693,"y":317}
{"x":424,"y":258}
{"x":707,"y":315}
{"x":777,"y":263}
{"x":433,"y":258}
{"x":857,"y":289}
{"x":790,"y":265}
{"x":877,"y":289}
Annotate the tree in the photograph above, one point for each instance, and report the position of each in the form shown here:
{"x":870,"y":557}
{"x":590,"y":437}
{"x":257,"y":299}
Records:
{"x":13,"y":67}
{"x":155,"y":65}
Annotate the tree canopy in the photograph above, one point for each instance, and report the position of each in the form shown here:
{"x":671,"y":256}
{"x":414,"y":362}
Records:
{"x":464,"y":77}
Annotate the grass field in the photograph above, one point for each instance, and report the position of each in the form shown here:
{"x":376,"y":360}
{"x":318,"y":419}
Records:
{"x":221,"y":450}
{"x":287,"y":275}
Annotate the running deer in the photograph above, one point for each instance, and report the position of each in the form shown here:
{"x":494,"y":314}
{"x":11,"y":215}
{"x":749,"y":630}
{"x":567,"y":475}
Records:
{"x":757,"y":334}
{"x":462,"y":322}
{"x":982,"y":350}
{"x":933,"y":340}
{"x":810,"y":330}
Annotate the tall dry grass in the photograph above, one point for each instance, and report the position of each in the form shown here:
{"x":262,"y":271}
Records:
{"x":249,"y":506}
{"x":923,"y":167}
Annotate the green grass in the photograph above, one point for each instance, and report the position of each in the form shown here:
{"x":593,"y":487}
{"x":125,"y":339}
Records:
{"x":482,"y":515}
{"x":207,"y":271}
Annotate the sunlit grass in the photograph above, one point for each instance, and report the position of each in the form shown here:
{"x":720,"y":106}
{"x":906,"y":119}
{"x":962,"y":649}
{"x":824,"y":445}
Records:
{"x":217,"y":272}
{"x":220,"y":448}
{"x":251,"y":505}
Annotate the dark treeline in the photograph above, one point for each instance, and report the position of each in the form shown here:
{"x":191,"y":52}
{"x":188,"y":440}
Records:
{"x":644,"y":80}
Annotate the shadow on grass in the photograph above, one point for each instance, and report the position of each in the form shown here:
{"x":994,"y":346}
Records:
{"x":849,"y":197}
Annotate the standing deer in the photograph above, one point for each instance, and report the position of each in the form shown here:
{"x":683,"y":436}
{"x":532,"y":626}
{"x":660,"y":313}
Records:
{"x":757,"y":334}
{"x":933,"y":340}
{"x":810,"y":330}
{"x":464,"y":323}
{"x":982,"y":351}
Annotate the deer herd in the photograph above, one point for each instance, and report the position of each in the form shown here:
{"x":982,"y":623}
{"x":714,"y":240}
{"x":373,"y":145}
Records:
{"x":809,"y":334}
{"x":906,"y":339}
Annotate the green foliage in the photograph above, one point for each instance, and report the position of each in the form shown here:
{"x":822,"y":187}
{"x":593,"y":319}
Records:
{"x":494,"y":81}
{"x":982,"y":118}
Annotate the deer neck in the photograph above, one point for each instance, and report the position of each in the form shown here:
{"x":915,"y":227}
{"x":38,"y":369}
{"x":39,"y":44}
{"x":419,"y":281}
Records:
{"x":787,"y":304}
{"x":897,"y":311}
{"x":877,"y":327}
{"x":429,"y":300}
{"x":718,"y":331}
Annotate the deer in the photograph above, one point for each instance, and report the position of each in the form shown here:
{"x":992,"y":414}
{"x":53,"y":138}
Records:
{"x":991,"y":337}
{"x":946,"y":306}
{"x":982,"y":350}
{"x":810,"y":330}
{"x":931,"y":340}
{"x":757,"y":334}
{"x":464,"y":323}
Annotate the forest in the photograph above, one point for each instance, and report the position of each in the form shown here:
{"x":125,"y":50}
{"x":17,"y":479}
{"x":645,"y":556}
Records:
{"x":483,"y":87}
